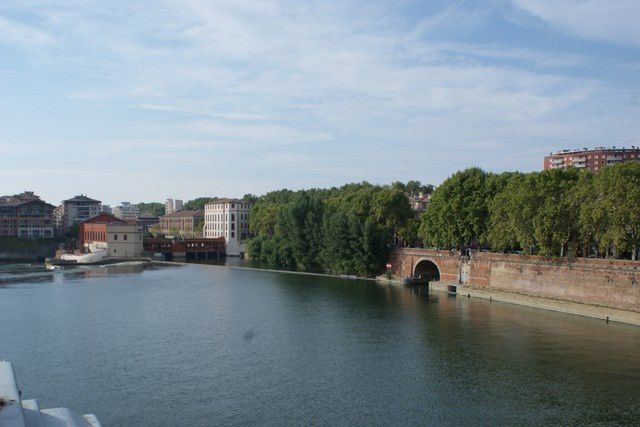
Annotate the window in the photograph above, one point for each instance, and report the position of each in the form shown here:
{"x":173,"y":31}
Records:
{"x":115,"y":237}
{"x":125,"y":237}
{"x":233,"y":235}
{"x":233,"y":217}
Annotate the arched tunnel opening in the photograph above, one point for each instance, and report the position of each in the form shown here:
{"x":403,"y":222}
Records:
{"x":426,"y":271}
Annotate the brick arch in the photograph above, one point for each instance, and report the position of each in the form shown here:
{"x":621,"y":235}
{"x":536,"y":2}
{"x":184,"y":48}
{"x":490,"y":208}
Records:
{"x":427,"y":268}
{"x":404,"y":261}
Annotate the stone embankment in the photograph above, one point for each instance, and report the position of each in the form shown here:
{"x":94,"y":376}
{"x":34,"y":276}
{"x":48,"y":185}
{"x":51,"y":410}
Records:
{"x":592,"y":287}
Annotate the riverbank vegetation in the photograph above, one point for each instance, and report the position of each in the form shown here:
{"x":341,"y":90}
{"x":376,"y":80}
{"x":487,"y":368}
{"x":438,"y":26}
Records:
{"x":551,"y":213}
{"x":352,"y":229}
{"x":346,"y":230}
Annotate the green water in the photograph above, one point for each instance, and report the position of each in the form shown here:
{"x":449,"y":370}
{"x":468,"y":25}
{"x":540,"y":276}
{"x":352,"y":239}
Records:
{"x":204,"y":345}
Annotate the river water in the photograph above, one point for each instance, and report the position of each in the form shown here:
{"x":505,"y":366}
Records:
{"x":202,"y":345}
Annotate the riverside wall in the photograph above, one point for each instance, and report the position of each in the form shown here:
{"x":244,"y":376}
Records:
{"x":598,"y":282}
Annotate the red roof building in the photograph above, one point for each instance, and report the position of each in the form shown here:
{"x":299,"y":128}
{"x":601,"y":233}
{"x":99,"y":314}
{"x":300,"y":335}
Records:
{"x":93,"y":231}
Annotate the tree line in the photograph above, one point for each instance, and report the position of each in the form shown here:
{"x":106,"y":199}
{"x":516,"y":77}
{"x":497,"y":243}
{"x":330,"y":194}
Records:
{"x":353,"y":229}
{"x":557,"y":213}
{"x":346,"y":230}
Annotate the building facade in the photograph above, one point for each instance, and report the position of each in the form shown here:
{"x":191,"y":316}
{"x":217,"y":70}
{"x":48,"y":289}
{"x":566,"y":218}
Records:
{"x":171,"y":206}
{"x":124,"y":240}
{"x":146,"y":221}
{"x":117,"y":237}
{"x":78,"y":209}
{"x":591,"y":159}
{"x":92,"y":233}
{"x":126,"y":211}
{"x":26,"y":216}
{"x":183,"y":223}
{"x":228,"y":218}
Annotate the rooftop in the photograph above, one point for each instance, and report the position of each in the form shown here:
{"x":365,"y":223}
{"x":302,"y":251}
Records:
{"x":103,"y":218}
{"x":227,"y":200}
{"x":82,"y":198}
{"x":590,"y":150}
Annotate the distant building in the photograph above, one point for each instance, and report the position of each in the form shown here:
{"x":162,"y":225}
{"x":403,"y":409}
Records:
{"x":182,"y":222}
{"x":126,"y":211}
{"x":172,"y":206}
{"x":228,"y":218}
{"x":107,"y":209}
{"x":420,"y":202}
{"x":105,"y":232}
{"x":92,"y":233}
{"x":124,"y":240}
{"x":146,"y":220}
{"x":26,"y":216}
{"x":78,"y":209}
{"x":591,"y":159}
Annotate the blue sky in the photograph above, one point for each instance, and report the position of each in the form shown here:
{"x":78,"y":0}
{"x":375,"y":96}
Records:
{"x":146,"y":100}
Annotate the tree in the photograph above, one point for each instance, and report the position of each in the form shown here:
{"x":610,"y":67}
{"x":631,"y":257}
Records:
{"x":153,"y":208}
{"x":616,"y":209}
{"x":198,"y":203}
{"x":458,"y":212}
{"x":155,"y":230}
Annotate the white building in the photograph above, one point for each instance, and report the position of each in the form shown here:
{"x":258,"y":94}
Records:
{"x":78,"y":209}
{"x":126,"y":211}
{"x":171,"y":206}
{"x":228,"y":218}
{"x":124,"y":240}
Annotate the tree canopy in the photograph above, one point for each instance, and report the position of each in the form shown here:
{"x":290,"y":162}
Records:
{"x":347,"y":230}
{"x":198,"y":203}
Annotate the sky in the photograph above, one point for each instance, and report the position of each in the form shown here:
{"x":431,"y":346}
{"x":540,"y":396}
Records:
{"x":146,"y":100}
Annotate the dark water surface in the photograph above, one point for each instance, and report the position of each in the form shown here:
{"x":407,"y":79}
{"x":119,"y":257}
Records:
{"x":203,"y":345}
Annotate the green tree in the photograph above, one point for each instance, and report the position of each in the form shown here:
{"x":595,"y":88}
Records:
{"x":616,"y":209}
{"x":458,"y":212}
{"x":153,"y":208}
{"x":198,"y":203}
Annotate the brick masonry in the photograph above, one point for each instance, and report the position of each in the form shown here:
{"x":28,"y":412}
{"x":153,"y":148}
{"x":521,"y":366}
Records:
{"x":606,"y":283}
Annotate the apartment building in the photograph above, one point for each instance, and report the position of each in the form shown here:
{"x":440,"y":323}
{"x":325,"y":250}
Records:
{"x":171,"y":206}
{"x":77,"y":209}
{"x":126,"y":211}
{"x":591,"y":159}
{"x":26,"y":216}
{"x":228,"y":218}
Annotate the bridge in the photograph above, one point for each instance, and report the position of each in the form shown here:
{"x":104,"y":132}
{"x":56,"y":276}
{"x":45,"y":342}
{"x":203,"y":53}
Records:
{"x":201,"y":248}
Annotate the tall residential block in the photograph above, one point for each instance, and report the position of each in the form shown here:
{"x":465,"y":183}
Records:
{"x":591,"y":159}
{"x":171,"y":206}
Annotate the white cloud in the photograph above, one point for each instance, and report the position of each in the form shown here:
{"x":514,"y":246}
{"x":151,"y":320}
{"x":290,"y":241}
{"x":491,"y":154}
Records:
{"x":615,"y":21}
{"x":345,"y":88}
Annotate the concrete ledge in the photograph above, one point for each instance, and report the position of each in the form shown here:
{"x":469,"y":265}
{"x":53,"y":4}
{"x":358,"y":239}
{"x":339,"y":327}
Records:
{"x":597,"y":312}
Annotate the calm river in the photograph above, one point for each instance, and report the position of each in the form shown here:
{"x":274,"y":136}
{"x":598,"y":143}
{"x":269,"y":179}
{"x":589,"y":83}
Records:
{"x":202,"y":345}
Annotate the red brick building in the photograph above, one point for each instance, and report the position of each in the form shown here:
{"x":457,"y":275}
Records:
{"x":93,"y":232}
{"x":591,"y":159}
